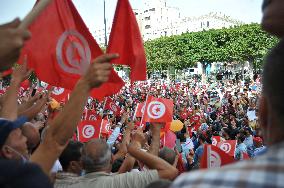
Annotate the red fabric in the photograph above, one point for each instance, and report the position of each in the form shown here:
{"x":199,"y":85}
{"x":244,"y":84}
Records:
{"x":88,"y":130}
{"x":184,"y":115}
{"x":158,"y":110}
{"x":140,"y":109}
{"x":193,"y":128}
{"x":228,"y":146}
{"x":214,"y":157}
{"x":245,"y":156}
{"x":92,"y":115}
{"x":62,"y":48}
{"x":7,"y":72}
{"x":125,"y":39}
{"x":60,"y":94}
{"x":180,"y":166}
{"x":110,"y":105}
{"x":25,"y":85}
{"x":216,"y":140}
{"x":106,"y":129}
{"x":195,"y":118}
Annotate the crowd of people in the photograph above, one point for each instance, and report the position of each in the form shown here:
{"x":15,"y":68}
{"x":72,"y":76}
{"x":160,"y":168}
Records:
{"x":37,"y":147}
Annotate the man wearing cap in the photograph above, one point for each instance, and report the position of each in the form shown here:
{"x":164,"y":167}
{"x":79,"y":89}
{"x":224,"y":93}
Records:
{"x":13,"y":144}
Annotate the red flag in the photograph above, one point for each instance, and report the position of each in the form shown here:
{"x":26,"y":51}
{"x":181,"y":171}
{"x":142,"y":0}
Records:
{"x":140,"y":109}
{"x":60,"y":94}
{"x":110,"y":105}
{"x":25,"y":85}
{"x":62,"y":49}
{"x":125,"y":39}
{"x":88,"y":130}
{"x":158,"y":110}
{"x":228,"y":146}
{"x":195,"y":118}
{"x":106,"y":129}
{"x":214,"y":157}
{"x":245,"y":156}
{"x":92,"y":115}
{"x":216,"y":140}
{"x":193,"y":128}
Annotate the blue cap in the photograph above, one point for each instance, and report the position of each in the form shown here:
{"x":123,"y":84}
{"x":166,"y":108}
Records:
{"x":7,"y":126}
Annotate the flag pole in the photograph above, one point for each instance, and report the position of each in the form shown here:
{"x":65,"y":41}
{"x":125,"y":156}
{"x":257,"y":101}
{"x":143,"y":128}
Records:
{"x":105,"y":23}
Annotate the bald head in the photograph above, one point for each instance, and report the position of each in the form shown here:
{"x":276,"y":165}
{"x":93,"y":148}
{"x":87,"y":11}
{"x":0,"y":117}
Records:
{"x":96,"y":156}
{"x":32,"y":135}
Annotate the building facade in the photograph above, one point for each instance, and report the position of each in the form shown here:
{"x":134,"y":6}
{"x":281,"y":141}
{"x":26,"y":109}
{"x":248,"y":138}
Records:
{"x":156,"y":19}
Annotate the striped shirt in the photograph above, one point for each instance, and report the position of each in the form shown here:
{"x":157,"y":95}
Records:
{"x":263,"y":172}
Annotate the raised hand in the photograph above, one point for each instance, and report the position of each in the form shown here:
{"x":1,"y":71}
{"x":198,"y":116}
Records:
{"x":21,"y":73}
{"x":99,"y":71}
{"x":12,"y":40}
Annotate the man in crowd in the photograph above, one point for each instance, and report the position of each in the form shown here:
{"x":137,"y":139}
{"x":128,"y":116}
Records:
{"x":71,"y":162}
{"x":97,"y":162}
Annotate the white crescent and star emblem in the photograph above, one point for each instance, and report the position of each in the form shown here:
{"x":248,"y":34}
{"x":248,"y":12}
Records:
{"x":214,"y":159}
{"x":226,"y":147}
{"x":214,"y":141}
{"x":73,"y":52}
{"x":108,"y":128}
{"x":92,"y":117}
{"x":156,"y":110}
{"x":88,"y":131}
{"x":58,"y":90}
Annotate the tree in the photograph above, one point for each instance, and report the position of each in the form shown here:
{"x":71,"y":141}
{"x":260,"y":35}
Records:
{"x":239,"y":44}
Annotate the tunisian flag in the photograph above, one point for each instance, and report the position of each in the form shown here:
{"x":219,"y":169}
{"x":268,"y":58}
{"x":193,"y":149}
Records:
{"x":60,"y":94}
{"x":125,"y":39}
{"x":214,"y":157}
{"x":62,"y":49}
{"x":158,"y":110}
{"x":110,"y":105}
{"x":88,"y":130}
{"x":216,"y":140}
{"x":92,"y":115}
{"x":139,"y":110}
{"x":105,"y":126}
{"x":228,"y":146}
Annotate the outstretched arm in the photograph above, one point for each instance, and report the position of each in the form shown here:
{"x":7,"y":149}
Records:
{"x":63,"y":126}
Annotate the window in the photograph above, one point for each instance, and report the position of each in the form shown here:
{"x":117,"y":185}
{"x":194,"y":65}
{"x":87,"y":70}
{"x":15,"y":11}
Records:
{"x":152,"y":9}
{"x":207,"y":23}
{"x":147,"y":27}
{"x":147,"y":18}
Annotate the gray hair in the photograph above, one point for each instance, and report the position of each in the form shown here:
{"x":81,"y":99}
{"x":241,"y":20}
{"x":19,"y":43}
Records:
{"x":168,"y":155}
{"x":99,"y":159}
